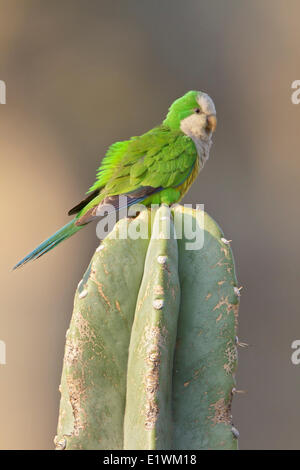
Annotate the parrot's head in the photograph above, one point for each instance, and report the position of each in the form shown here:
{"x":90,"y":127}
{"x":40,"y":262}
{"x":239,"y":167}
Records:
{"x":194,"y":114}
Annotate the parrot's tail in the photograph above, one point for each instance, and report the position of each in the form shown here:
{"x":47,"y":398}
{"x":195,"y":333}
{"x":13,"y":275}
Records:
{"x":59,"y":236}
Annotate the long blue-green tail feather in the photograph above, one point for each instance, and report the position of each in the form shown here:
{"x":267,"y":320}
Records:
{"x":71,"y":228}
{"x":59,"y":236}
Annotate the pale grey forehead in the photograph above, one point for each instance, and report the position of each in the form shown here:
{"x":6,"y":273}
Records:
{"x":206,"y":103}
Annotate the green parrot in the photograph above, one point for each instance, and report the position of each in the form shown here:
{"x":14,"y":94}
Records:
{"x":156,"y":167}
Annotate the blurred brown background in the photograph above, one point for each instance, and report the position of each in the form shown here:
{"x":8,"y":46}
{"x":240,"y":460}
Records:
{"x":83,"y":74}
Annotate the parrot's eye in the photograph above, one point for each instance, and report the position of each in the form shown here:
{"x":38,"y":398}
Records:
{"x":197,"y":110}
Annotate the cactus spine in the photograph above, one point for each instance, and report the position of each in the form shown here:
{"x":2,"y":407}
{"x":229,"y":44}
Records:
{"x":150,"y":354}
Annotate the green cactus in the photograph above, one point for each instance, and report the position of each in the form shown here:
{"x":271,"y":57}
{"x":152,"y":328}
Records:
{"x":150,"y":354}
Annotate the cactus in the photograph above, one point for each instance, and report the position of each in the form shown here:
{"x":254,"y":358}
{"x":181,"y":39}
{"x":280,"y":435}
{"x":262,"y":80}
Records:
{"x":150,"y":354}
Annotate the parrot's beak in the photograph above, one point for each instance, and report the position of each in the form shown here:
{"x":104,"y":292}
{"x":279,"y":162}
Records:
{"x":211,"y":122}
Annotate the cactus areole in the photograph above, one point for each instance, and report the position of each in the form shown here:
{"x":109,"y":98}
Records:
{"x":150,"y":354}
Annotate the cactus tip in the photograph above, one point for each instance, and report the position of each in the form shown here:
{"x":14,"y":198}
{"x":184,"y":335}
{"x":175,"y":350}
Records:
{"x":237,"y":291}
{"x":235,"y":432}
{"x":83,"y":294}
{"x":226,"y":242}
{"x":60,"y":444}
{"x":158,"y":304}
{"x":235,"y":391}
{"x":238,"y":343}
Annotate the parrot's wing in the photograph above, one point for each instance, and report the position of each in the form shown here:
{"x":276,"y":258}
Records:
{"x":169,"y":167}
{"x":159,"y":159}
{"x":162,"y":158}
{"x":110,"y":162}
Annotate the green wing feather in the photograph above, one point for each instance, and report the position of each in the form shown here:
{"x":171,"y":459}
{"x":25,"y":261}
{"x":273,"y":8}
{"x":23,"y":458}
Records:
{"x":112,"y":158}
{"x":161,"y":158}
